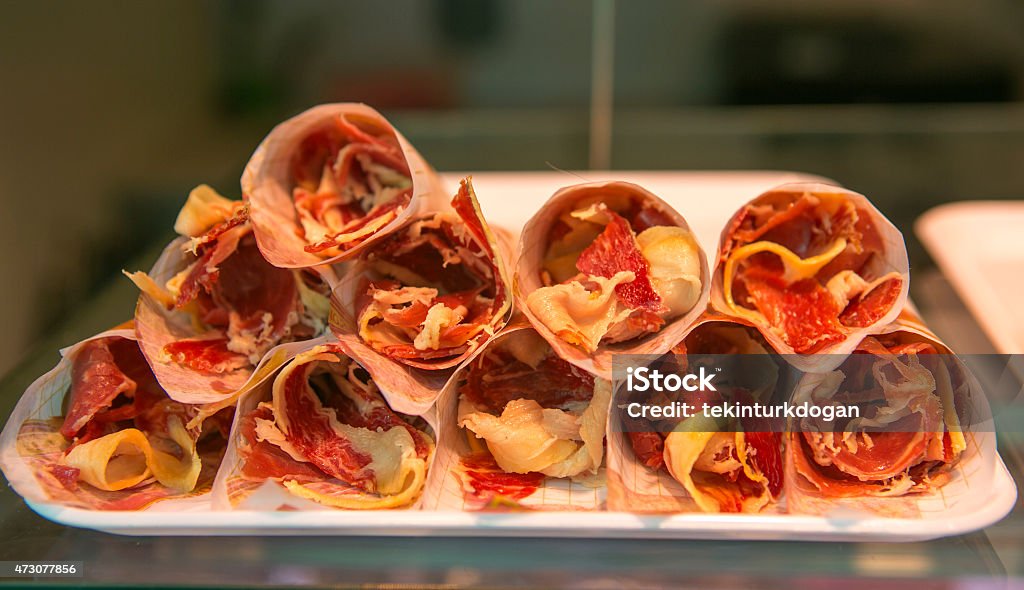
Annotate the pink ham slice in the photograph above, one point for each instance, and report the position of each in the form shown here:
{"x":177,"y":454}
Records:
{"x":310,"y":432}
{"x":96,"y":381}
{"x":616,"y":250}
{"x":240,"y":287}
{"x":251,"y":287}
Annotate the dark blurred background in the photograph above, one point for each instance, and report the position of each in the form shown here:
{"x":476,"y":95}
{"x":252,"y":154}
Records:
{"x":111,"y":111}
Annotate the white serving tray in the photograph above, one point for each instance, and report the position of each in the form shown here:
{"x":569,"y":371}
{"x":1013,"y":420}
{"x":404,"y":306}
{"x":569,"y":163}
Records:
{"x":985,"y":510}
{"x":981,"y":491}
{"x":979,"y":245}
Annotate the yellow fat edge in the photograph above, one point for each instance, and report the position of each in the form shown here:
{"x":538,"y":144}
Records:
{"x":146,"y":284}
{"x":318,"y":304}
{"x":179,"y":474}
{"x":365,"y":231}
{"x":93,"y":458}
{"x":686,"y":448}
{"x":416,"y":474}
{"x":365,"y":332}
{"x":475,"y":446}
{"x":681,"y":468}
{"x":796,"y":268}
{"x":204,"y":209}
{"x":945,"y":386}
{"x":741,"y":452}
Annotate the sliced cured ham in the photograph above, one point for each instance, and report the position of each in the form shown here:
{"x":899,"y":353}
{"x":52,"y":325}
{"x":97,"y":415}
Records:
{"x":814,"y":267}
{"x":212,"y":307}
{"x":721,"y":468}
{"x":534,"y":412}
{"x":120,"y":444}
{"x":485,"y":481}
{"x":330,"y":181}
{"x":609,"y":267}
{"x":911,"y":390}
{"x":324,"y":433}
{"x":429,"y":295}
{"x":97,"y":381}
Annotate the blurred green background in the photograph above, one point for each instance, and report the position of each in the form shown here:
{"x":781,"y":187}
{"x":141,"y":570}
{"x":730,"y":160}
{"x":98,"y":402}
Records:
{"x":111,"y":111}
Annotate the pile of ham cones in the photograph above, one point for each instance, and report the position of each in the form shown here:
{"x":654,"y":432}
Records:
{"x":350,"y":335}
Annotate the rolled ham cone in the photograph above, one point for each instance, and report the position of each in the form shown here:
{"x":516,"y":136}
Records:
{"x":336,"y":445}
{"x":533,"y":411}
{"x":903,"y":463}
{"x":481,"y":428}
{"x":814,"y":322}
{"x":261,"y":308}
{"x":656,"y":472}
{"x":414,"y":374}
{"x":533,"y":248}
{"x":300,"y":159}
{"x":97,"y":432}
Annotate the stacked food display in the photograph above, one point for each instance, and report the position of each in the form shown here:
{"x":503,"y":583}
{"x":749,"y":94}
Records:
{"x":350,"y":336}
